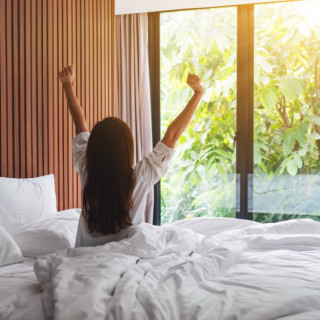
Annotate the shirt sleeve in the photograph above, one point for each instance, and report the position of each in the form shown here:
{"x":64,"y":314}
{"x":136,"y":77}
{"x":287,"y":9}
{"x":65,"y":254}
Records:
{"x":153,"y":166}
{"x":79,"y":149}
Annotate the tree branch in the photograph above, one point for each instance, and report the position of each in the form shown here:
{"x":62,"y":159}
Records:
{"x":282,"y":109}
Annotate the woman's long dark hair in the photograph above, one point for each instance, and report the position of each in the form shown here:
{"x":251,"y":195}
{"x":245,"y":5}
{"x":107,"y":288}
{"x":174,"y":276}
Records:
{"x":107,"y":194}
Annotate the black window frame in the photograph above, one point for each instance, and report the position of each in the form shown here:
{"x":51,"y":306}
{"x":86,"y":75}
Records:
{"x":245,"y":104}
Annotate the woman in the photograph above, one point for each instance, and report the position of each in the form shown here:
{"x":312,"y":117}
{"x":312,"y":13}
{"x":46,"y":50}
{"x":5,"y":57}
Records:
{"x":114,"y":192}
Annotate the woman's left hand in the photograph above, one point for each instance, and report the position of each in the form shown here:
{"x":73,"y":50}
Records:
{"x":67,"y":75}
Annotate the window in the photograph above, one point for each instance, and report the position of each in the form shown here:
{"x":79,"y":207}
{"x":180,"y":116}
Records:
{"x":202,"y":177}
{"x":286,"y":177}
{"x":252,"y":150}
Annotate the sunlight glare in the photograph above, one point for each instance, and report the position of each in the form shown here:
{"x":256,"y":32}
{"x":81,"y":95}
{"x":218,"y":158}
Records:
{"x":311,"y":10}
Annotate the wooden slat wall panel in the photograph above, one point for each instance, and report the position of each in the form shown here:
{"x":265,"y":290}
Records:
{"x":37,"y":38}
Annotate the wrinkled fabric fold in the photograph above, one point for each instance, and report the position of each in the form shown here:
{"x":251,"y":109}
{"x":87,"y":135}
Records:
{"x":259,"y":271}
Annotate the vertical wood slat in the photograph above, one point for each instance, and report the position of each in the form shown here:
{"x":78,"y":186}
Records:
{"x":87,"y":63}
{"x":28,"y":85}
{"x":74,"y":61}
{"x":94,"y":58}
{"x":16,"y":82}
{"x":3,"y":91}
{"x":112,"y":50}
{"x":9,"y":33}
{"x":64,"y":105}
{"x":103,"y":56}
{"x":40,"y":140}
{"x":34,"y":87}
{"x":22,"y":87}
{"x":69,"y":119}
{"x":81,"y":67}
{"x":107,"y":69}
{"x":50,"y":83}
{"x":45,"y":85}
{"x":55,"y":93}
{"x":38,"y":38}
{"x":91,"y":120}
{"x":60,"y":108}
{"x":99,"y":58}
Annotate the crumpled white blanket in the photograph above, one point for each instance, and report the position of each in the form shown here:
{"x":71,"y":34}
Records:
{"x":269,"y":271}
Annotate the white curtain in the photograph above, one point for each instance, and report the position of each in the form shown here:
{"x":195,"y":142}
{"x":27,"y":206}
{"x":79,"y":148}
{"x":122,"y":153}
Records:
{"x":132,"y":95}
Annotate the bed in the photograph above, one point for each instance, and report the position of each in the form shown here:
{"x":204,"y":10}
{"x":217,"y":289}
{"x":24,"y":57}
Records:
{"x":201,"y":268}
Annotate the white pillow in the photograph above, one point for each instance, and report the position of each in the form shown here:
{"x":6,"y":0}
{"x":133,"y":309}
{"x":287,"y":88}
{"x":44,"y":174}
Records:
{"x":49,"y":234}
{"x":24,"y":200}
{"x":9,"y":251}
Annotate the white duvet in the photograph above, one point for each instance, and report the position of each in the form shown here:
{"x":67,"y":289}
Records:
{"x":269,"y":271}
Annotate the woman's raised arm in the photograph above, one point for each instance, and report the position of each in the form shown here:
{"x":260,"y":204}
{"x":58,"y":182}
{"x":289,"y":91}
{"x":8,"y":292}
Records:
{"x":67,"y":78}
{"x":177,"y":126}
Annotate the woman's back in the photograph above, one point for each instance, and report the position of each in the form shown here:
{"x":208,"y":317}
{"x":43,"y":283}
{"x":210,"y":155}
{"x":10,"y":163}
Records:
{"x":147,"y":172}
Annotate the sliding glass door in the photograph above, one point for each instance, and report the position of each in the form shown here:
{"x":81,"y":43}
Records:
{"x":253,"y":149}
{"x":286,"y":180}
{"x":202,"y":179}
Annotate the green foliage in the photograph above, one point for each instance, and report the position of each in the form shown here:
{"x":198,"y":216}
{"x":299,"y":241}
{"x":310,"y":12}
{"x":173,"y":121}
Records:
{"x":201,"y":179}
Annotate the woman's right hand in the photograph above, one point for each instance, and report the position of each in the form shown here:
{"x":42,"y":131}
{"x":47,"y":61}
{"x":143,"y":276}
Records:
{"x":195,"y":83}
{"x":178,"y":125}
{"x":67,"y":75}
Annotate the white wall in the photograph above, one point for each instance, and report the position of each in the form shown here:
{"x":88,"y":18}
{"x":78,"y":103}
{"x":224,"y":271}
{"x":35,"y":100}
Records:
{"x":138,"y":6}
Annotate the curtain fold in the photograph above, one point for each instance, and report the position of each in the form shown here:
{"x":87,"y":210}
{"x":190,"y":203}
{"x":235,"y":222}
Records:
{"x":132,"y":89}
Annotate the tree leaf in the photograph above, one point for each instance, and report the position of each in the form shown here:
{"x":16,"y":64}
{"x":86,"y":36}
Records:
{"x":298,"y":161}
{"x":268,"y":97}
{"x":265,"y":65}
{"x":301,"y":136}
{"x":302,"y":152}
{"x":315,"y":135}
{"x":194,"y":155}
{"x":265,"y":80}
{"x":220,"y":168}
{"x":292,"y":167}
{"x":288,"y":143}
{"x":223,"y":153}
{"x":316,"y":120}
{"x":283,"y":165}
{"x":257,"y":155}
{"x":291,"y":88}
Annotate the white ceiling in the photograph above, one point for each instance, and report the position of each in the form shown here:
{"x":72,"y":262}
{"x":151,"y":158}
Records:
{"x":138,"y":6}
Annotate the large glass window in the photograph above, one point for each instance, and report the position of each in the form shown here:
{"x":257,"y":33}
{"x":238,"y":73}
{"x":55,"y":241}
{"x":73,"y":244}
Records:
{"x":286,"y":180}
{"x":201,"y":180}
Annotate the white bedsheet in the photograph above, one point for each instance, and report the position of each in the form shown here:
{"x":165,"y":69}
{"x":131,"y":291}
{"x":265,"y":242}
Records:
{"x":20,"y":292}
{"x":258,"y":272}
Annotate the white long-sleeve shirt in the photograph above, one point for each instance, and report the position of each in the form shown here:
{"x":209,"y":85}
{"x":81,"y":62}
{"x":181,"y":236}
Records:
{"x":147,"y":172}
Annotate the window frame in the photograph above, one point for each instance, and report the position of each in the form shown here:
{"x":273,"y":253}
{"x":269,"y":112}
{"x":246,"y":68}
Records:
{"x":245,"y":104}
